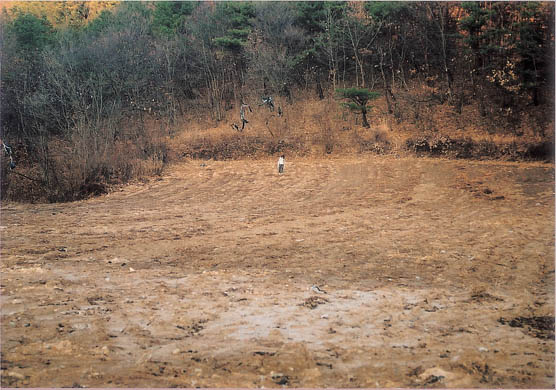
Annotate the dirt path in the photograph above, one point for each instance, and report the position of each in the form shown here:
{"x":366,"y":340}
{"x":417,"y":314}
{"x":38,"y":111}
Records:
{"x":436,"y":272}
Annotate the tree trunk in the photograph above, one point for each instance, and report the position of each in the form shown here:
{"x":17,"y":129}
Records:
{"x":319,"y":87}
{"x":482,"y":108}
{"x":536,"y":97}
{"x":443,"y":15}
{"x":364,"y":117}
{"x":459,"y":105}
{"x":385,"y":83}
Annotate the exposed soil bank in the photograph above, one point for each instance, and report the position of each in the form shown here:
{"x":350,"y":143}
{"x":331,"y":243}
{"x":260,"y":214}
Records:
{"x":238,"y":147}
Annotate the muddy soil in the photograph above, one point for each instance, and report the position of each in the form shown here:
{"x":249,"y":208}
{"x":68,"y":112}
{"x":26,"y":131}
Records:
{"x":432,"y":273}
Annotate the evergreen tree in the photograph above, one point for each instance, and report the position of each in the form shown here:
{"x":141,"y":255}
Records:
{"x":534,"y":47}
{"x":169,"y":17}
{"x":31,"y":32}
{"x":358,"y":99}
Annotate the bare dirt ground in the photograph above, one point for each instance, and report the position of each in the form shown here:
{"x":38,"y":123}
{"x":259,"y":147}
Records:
{"x":437,"y":273}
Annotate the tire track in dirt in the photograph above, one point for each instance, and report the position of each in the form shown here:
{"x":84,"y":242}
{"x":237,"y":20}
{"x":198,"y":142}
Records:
{"x":201,"y":278}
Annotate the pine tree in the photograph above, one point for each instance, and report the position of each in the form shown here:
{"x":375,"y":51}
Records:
{"x":358,"y":100}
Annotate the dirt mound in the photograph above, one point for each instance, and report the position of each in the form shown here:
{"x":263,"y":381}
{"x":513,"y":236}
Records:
{"x":233,"y":147}
{"x":314,"y":301}
{"x":541,"y":327}
{"x":469,"y":148}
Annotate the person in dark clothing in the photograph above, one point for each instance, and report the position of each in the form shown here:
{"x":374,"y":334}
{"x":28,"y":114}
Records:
{"x":242,"y":111}
{"x":268,"y":101}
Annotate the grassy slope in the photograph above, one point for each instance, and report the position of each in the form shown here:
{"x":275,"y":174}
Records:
{"x":312,"y":127}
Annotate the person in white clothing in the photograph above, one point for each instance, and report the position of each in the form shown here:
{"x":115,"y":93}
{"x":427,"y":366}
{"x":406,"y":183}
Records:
{"x":281,"y":162}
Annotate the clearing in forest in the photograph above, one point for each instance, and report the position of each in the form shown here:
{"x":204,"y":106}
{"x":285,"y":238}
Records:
{"x":435,"y":273}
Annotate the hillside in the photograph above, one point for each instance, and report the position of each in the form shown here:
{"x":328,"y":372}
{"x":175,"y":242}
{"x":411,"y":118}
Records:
{"x":319,"y":127}
{"x":60,"y":13}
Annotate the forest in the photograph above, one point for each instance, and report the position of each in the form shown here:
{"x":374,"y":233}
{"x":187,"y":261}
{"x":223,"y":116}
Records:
{"x":92,"y":92}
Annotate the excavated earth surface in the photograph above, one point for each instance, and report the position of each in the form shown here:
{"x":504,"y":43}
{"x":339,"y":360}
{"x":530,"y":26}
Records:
{"x":436,"y":273}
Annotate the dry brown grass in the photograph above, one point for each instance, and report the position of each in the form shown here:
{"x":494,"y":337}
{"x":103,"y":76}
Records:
{"x":309,"y":127}
{"x":87,"y":163}
{"x":319,"y":127}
